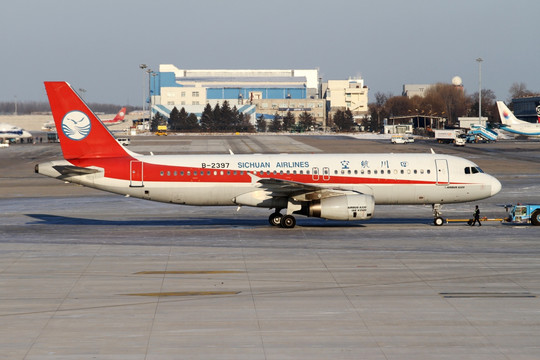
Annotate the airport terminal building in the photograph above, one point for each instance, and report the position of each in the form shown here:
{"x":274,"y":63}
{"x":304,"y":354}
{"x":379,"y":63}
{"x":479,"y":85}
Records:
{"x":253,"y":92}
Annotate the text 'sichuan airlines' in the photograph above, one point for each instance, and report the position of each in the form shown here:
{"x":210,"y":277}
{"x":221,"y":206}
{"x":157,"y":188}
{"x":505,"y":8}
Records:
{"x":329,"y":186}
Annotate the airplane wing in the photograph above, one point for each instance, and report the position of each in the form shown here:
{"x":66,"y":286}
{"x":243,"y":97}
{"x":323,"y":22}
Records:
{"x":299,"y":191}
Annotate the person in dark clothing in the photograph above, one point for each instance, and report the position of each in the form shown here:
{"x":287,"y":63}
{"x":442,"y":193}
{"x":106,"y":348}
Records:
{"x":476,"y":216}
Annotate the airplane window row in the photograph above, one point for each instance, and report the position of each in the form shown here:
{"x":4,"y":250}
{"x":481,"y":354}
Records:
{"x":221,"y":172}
{"x":382,"y":172}
{"x":473,"y":170}
{"x":307,"y":172}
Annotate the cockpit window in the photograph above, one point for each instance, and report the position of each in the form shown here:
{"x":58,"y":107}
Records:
{"x":473,"y":170}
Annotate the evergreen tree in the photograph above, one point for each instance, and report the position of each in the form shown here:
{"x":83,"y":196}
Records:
{"x":182,"y":120}
{"x":216,"y":116}
{"x":192,"y":124}
{"x":156,"y":120}
{"x":226,"y":122}
{"x":344,"y":120}
{"x":288,"y":121}
{"x":306,"y":121}
{"x":261,"y":124}
{"x":207,"y":119}
{"x":237,"y":118}
{"x":174,"y":119}
{"x":275,"y":125}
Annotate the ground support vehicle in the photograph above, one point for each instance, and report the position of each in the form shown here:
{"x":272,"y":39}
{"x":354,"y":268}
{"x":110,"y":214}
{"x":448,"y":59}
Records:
{"x":450,"y":136}
{"x":523,"y":214}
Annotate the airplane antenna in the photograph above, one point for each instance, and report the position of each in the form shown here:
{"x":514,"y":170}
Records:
{"x":433,"y":152}
{"x":231,"y":152}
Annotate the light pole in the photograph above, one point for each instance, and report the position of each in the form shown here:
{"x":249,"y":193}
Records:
{"x":149,"y":72}
{"x":479,"y":60}
{"x":143,"y":66}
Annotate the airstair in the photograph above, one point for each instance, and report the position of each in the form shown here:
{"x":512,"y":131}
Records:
{"x":482,"y":132}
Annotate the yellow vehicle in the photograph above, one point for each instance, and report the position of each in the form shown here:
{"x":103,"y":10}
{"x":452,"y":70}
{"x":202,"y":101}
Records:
{"x":161,"y":130}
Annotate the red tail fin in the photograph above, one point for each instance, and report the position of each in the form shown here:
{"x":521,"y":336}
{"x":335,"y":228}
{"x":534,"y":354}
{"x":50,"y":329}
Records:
{"x":82,"y":135}
{"x":120,"y":115}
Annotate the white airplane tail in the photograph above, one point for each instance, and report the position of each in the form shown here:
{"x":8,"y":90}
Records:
{"x":507,"y":117}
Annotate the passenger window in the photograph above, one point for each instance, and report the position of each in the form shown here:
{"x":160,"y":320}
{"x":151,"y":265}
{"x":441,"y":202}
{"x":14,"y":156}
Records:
{"x":429,"y":171}
{"x":188,"y":173}
{"x":175,"y":173}
{"x":181,"y":173}
{"x":162,"y":173}
{"x":194,"y":173}
{"x":168,"y":173}
{"x":375,"y":172}
{"x":369,"y":172}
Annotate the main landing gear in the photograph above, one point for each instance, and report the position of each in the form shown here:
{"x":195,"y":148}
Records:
{"x":438,"y":220}
{"x":285,"y":221}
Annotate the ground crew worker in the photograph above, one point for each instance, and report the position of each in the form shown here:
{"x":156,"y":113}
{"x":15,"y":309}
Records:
{"x":476,"y":216}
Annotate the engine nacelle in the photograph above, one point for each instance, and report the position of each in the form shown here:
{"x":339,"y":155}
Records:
{"x":342,"y":207}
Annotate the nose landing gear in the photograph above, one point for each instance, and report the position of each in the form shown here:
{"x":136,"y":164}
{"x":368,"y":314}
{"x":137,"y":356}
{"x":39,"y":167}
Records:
{"x":438,"y":220}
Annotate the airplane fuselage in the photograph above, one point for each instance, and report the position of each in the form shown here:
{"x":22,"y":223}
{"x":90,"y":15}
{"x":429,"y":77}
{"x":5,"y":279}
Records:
{"x":222,"y":179}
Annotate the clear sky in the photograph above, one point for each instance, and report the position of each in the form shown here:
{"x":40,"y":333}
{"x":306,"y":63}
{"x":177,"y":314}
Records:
{"x":98,"y":45}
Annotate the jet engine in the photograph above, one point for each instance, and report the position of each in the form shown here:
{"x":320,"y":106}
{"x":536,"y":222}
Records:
{"x":341,"y":207}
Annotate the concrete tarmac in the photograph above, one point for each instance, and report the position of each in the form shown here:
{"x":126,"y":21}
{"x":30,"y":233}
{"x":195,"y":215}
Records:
{"x":90,"y":275}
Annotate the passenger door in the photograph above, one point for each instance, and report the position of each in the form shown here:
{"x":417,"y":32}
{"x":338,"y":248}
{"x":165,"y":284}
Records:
{"x":442,"y":171}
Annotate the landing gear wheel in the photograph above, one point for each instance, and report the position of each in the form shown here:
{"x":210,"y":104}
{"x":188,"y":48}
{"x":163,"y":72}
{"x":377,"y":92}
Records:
{"x":535,"y":217}
{"x":288,"y":222}
{"x":438,"y":221}
{"x":275,"y":219}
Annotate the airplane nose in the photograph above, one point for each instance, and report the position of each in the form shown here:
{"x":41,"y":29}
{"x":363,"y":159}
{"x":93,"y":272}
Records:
{"x":495,"y":186}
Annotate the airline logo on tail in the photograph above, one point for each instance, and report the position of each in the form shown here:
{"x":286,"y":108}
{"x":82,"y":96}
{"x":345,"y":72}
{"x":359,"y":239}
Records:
{"x":513,"y":125}
{"x":118,"y":118}
{"x":76,"y":125}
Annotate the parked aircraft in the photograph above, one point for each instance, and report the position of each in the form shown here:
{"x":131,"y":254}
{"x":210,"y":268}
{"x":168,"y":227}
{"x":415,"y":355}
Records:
{"x":515,"y":126}
{"x":330,"y":186}
{"x":117,"y":119}
{"x":11,"y":132}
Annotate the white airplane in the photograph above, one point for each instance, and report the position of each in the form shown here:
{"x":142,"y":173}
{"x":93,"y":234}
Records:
{"x":330,"y":186}
{"x":515,"y":126}
{"x":8,"y":132}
